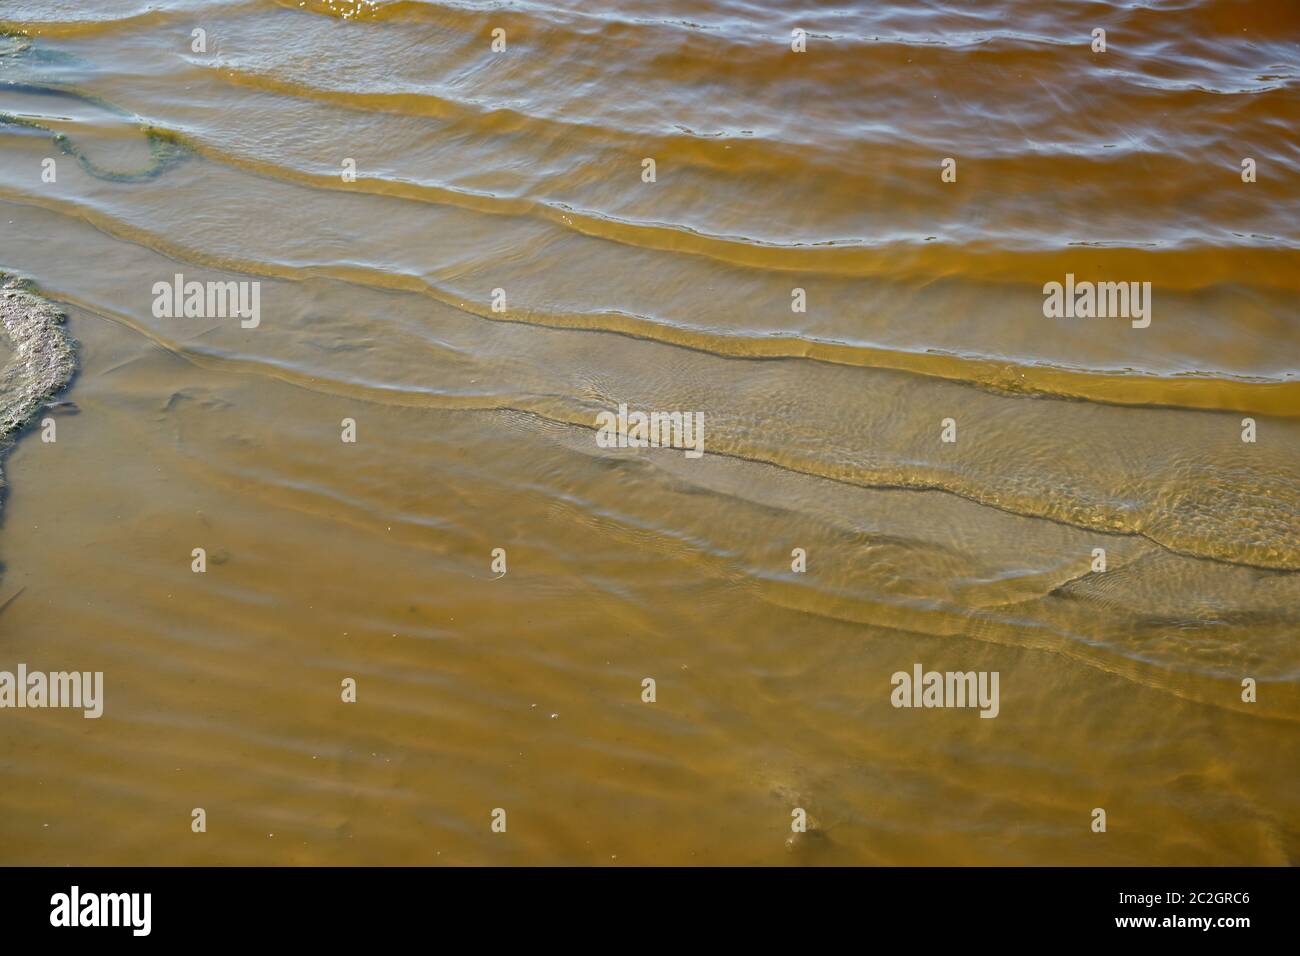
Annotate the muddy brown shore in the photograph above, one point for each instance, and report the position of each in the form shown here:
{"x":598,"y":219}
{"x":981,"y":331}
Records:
{"x":360,"y":570}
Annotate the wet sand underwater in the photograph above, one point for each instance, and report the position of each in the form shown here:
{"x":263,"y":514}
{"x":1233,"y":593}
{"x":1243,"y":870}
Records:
{"x":522,"y":171}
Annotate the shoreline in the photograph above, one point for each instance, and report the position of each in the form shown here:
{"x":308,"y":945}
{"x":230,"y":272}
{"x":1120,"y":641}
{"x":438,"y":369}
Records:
{"x":42,"y":364}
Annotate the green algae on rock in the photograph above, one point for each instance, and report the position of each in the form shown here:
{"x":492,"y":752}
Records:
{"x":41,"y":359}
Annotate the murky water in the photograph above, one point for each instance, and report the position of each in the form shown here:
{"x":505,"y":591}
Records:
{"x":774,"y":171}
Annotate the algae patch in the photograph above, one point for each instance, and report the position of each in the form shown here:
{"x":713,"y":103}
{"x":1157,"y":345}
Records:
{"x":167,"y":148}
{"x":41,"y":357}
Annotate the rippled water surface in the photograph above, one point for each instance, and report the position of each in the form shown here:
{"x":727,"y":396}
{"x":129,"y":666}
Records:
{"x":775,"y":171}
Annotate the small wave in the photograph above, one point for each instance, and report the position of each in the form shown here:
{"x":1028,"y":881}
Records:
{"x":1200,"y":390}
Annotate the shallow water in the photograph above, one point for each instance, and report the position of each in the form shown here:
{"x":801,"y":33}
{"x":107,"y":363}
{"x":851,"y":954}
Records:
{"x":522,"y":171}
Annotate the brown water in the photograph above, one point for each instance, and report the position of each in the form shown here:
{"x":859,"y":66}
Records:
{"x":522,"y":170}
